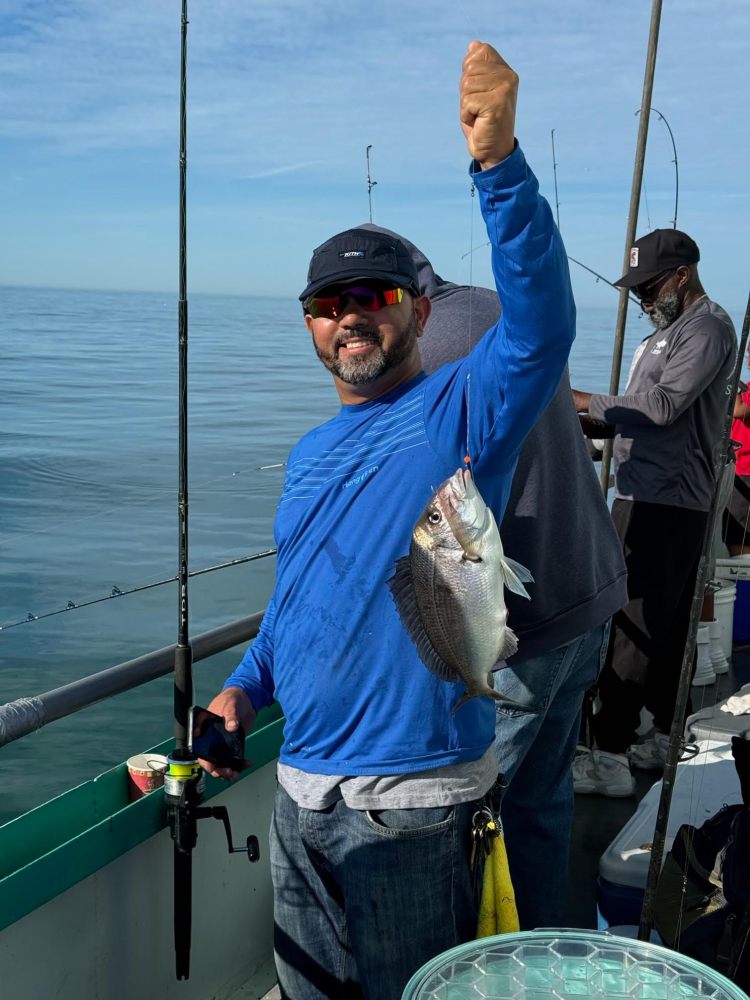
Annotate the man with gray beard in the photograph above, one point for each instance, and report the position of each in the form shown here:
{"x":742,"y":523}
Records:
{"x":666,"y":428}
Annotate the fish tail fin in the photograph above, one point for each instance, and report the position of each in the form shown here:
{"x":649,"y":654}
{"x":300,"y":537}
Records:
{"x":515,"y":577}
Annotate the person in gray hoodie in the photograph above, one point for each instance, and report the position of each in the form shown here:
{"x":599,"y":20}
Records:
{"x":667,"y":429}
{"x":558,"y":525}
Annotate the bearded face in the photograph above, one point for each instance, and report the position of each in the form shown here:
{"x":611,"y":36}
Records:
{"x":362,"y":354}
{"x":665,"y":310}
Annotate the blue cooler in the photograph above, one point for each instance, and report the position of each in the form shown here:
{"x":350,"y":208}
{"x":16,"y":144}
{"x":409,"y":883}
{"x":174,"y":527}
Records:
{"x":702,"y":786}
{"x":736,"y":570}
{"x":741,"y":625}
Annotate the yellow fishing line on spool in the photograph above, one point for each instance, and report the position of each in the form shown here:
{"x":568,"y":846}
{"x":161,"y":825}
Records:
{"x":497,"y":909}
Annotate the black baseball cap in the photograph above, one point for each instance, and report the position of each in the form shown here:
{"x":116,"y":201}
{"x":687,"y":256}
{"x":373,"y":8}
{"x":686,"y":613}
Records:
{"x":361,"y":253}
{"x":658,"y":251}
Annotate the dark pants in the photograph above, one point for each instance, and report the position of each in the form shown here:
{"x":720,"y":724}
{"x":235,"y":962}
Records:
{"x":662,"y":547}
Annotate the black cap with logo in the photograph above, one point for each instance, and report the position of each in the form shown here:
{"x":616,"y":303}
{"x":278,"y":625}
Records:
{"x":360,"y":253}
{"x":657,"y":252}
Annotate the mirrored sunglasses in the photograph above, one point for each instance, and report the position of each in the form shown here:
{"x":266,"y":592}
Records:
{"x":368,"y":297}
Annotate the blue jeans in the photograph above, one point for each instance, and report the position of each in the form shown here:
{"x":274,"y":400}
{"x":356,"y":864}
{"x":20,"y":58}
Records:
{"x":363,"y":899}
{"x":535,"y":741}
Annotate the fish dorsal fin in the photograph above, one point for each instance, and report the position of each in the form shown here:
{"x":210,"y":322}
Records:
{"x":401,"y":586}
{"x":515,"y":576}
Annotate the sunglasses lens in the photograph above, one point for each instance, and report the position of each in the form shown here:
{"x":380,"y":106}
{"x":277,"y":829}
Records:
{"x":369,"y":299}
{"x":646,"y":292}
{"x":323,"y":307}
{"x":326,"y":307}
{"x":393,"y":296}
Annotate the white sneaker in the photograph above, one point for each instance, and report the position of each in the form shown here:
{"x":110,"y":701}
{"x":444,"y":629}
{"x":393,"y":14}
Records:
{"x":602,"y":773}
{"x":651,"y":755}
{"x":704,"y":671}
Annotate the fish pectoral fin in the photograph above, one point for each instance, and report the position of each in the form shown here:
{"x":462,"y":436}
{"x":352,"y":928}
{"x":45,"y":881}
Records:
{"x":509,"y":645}
{"x":515,"y":576}
{"x":401,"y":586}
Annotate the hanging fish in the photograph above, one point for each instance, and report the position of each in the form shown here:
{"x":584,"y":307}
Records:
{"x":449,"y":590}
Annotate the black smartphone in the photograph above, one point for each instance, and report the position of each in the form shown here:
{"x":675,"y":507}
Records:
{"x":210,"y":740}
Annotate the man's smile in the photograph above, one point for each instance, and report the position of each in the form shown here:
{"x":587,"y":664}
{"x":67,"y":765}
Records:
{"x":358,"y":345}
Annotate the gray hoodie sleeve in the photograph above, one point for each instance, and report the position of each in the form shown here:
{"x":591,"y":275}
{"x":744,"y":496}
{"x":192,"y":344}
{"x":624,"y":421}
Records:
{"x":671,"y":373}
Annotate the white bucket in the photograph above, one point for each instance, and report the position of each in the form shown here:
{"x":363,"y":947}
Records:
{"x":733,"y":568}
{"x":724,"y":613}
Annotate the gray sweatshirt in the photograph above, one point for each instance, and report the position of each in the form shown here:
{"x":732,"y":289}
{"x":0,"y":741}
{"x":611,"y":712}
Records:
{"x":557,"y":522}
{"x":670,"y":419}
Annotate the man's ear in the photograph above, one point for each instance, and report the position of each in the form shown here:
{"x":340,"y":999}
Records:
{"x":308,"y":322}
{"x":422,"y":310}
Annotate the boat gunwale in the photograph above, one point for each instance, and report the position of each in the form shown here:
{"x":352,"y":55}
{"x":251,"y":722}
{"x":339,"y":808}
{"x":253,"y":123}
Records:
{"x":59,"y":843}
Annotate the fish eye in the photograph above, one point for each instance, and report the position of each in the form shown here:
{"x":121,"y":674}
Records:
{"x":434,"y":517}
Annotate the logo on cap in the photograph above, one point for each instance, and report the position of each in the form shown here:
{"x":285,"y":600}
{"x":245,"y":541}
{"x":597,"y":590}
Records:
{"x":634,"y":256}
{"x":352,"y":253}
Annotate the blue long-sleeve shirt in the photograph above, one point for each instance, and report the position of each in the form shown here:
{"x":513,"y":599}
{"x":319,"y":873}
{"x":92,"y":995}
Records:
{"x":332,"y":649}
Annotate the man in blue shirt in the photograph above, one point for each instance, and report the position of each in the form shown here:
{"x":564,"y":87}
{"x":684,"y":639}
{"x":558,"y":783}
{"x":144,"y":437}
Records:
{"x":378,"y":778}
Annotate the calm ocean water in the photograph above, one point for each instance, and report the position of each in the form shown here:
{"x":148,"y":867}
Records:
{"x":88,"y":474}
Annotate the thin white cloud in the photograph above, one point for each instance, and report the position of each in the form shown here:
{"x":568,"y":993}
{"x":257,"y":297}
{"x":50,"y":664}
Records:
{"x":289,"y":168}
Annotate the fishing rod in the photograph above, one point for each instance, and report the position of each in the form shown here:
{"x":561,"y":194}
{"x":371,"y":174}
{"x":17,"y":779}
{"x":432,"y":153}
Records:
{"x":635,"y":200}
{"x":674,"y":160}
{"x":137,"y":589}
{"x":370,"y":183}
{"x":599,"y":277}
{"x":686,"y":672}
{"x":554,"y":171}
{"x":184,"y":782}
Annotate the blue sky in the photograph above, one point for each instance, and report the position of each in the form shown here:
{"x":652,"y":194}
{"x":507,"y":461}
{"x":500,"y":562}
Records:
{"x":283,"y":98}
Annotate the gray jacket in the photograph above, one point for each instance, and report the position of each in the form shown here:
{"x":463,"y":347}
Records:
{"x":557,"y":522}
{"x":670,"y":419}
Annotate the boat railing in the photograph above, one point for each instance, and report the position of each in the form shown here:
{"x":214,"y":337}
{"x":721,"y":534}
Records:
{"x":25,"y":715}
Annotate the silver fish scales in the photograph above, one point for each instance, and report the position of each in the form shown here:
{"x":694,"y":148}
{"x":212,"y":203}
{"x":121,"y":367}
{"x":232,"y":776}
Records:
{"x":449,"y":590}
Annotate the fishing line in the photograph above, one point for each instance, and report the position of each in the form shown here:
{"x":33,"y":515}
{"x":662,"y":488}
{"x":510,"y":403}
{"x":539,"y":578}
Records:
{"x":472,"y":204}
{"x":117,"y":592}
{"x":648,"y":211}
